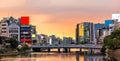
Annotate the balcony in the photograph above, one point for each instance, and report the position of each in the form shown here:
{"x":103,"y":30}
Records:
{"x":26,"y":28}
{"x":24,"y":36}
{"x":25,"y":32}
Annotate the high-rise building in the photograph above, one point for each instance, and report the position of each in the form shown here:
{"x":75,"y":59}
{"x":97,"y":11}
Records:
{"x":25,"y":33}
{"x":44,"y":39}
{"x":10,"y":28}
{"x":14,"y":31}
{"x":77,"y":34}
{"x":59,"y":40}
{"x":98,"y":31}
{"x":67,"y":40}
{"x":17,"y":28}
{"x":25,"y":30}
{"x":99,"y":35}
{"x":110,"y":25}
{"x":85,"y":32}
{"x":53,"y":39}
{"x":4,"y":25}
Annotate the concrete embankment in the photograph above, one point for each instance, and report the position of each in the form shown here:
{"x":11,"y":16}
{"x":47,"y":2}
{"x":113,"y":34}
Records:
{"x":114,"y":53}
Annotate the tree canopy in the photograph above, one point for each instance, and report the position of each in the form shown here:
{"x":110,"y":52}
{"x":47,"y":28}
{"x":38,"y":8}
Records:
{"x":112,"y":41}
{"x":13,"y":42}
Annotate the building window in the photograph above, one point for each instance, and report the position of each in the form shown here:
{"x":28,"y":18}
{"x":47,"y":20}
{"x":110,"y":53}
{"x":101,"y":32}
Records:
{"x":3,"y":24}
{"x":3,"y":28}
{"x":13,"y":31}
{"x":3,"y":31}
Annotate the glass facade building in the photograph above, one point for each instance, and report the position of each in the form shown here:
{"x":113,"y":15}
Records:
{"x":84,"y":32}
{"x":98,"y":31}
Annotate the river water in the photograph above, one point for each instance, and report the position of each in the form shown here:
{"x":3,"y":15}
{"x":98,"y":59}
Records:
{"x":55,"y":56}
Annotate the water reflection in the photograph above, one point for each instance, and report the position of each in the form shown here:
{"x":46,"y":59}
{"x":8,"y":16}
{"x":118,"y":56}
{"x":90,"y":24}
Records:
{"x":54,"y":57}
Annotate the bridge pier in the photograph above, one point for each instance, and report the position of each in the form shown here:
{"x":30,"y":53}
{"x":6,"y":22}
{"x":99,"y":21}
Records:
{"x":49,"y":49}
{"x":80,"y":50}
{"x":68,"y":49}
{"x":91,"y":51}
{"x":58,"y":50}
{"x":36,"y":49}
{"x":65,"y":50}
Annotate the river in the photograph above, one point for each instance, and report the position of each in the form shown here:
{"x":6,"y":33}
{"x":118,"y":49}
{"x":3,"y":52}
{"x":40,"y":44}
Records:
{"x":55,"y":56}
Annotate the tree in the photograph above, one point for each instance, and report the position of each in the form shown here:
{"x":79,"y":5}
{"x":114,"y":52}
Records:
{"x":2,"y":39}
{"x":13,"y":42}
{"x":112,"y":41}
{"x":24,"y":48}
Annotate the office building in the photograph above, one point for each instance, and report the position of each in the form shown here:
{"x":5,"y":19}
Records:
{"x":77,"y":34}
{"x":25,"y":33}
{"x":4,"y":25}
{"x":60,"y":41}
{"x":10,"y":28}
{"x":67,"y":40}
{"x":18,"y":28}
{"x":14,"y":31}
{"x":44,"y":39}
{"x":25,"y":30}
{"x":98,"y":31}
{"x":85,"y":32}
{"x":53,"y":40}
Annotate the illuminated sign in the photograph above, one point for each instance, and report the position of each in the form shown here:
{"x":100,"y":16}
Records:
{"x":33,"y":35}
{"x":24,"y":20}
{"x":81,"y":30}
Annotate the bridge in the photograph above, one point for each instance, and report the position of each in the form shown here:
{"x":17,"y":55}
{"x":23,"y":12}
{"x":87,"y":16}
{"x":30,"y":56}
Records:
{"x":65,"y":47}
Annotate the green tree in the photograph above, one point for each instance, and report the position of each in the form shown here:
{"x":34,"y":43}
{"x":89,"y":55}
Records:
{"x":24,"y":48}
{"x":13,"y":42}
{"x":1,"y":52}
{"x":112,"y":41}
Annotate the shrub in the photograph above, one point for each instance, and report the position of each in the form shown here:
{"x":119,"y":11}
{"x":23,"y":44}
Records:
{"x":1,"y":52}
{"x":112,"y":41}
{"x":24,"y":48}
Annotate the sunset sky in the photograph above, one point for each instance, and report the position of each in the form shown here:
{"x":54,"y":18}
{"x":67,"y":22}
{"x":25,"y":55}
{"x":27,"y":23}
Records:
{"x":59,"y":17}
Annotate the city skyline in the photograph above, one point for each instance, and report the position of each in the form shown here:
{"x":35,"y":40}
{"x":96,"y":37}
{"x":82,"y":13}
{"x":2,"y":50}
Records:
{"x":59,"y":17}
